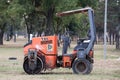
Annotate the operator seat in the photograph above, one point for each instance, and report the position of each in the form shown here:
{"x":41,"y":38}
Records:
{"x":83,"y":42}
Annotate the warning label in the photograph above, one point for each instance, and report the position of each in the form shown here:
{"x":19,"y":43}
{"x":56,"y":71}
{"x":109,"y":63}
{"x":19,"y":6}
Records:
{"x":50,"y":47}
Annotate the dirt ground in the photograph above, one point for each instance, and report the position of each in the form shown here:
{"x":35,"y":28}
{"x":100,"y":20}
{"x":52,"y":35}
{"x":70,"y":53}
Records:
{"x":104,"y":69}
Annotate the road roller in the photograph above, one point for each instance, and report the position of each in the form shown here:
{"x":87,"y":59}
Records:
{"x":41,"y":53}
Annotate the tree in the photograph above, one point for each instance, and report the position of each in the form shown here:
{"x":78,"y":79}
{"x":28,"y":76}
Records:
{"x":99,"y":19}
{"x":72,"y":23}
{"x":113,"y":15}
{"x":118,"y":37}
{"x":63,"y":23}
{"x":3,"y":19}
{"x":12,"y":13}
{"x":14,"y":10}
{"x":91,"y":3}
{"x":17,"y":10}
{"x":50,"y":7}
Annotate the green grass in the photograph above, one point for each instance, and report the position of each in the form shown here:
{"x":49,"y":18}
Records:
{"x":108,"y":69}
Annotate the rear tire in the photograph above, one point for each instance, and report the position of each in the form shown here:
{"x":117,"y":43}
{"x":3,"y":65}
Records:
{"x":90,"y":68}
{"x":37,"y":70}
{"x":82,"y":66}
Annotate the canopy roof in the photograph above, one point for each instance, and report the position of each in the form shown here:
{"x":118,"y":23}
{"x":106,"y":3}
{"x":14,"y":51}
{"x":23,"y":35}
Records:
{"x":73,"y":11}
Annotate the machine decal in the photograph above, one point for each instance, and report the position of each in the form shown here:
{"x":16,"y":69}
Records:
{"x":50,"y":47}
{"x":46,"y":42}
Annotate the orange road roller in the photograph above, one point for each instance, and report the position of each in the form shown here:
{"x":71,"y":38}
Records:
{"x":41,"y":53}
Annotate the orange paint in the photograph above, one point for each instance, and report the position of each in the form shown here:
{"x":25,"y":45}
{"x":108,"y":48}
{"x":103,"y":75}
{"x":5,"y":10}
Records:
{"x":66,"y":61}
{"x":91,"y":54}
{"x":47,"y":45}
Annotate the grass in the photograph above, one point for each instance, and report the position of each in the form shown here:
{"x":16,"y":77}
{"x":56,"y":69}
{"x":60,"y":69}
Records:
{"x":108,"y":69}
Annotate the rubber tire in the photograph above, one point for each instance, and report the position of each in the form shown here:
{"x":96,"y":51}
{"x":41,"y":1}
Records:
{"x":82,"y":63}
{"x":90,"y":69}
{"x":38,"y":69}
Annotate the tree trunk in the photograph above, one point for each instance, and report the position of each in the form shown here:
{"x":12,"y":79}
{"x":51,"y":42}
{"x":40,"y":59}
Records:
{"x":113,"y":38}
{"x":110,"y":37}
{"x":29,"y":28}
{"x":29,"y":31}
{"x":96,"y":38}
{"x":14,"y":37}
{"x":118,"y":37}
{"x":49,"y":25}
{"x":117,"y":42}
{"x":1,"y":37}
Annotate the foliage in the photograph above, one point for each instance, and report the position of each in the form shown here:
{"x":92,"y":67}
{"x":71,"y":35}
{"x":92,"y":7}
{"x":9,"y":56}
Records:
{"x":3,"y":18}
{"x":79,"y":25}
{"x":3,"y":7}
{"x":39,"y":15}
{"x":91,"y":3}
{"x":99,"y":17}
{"x":74,"y":23}
{"x":113,"y":15}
